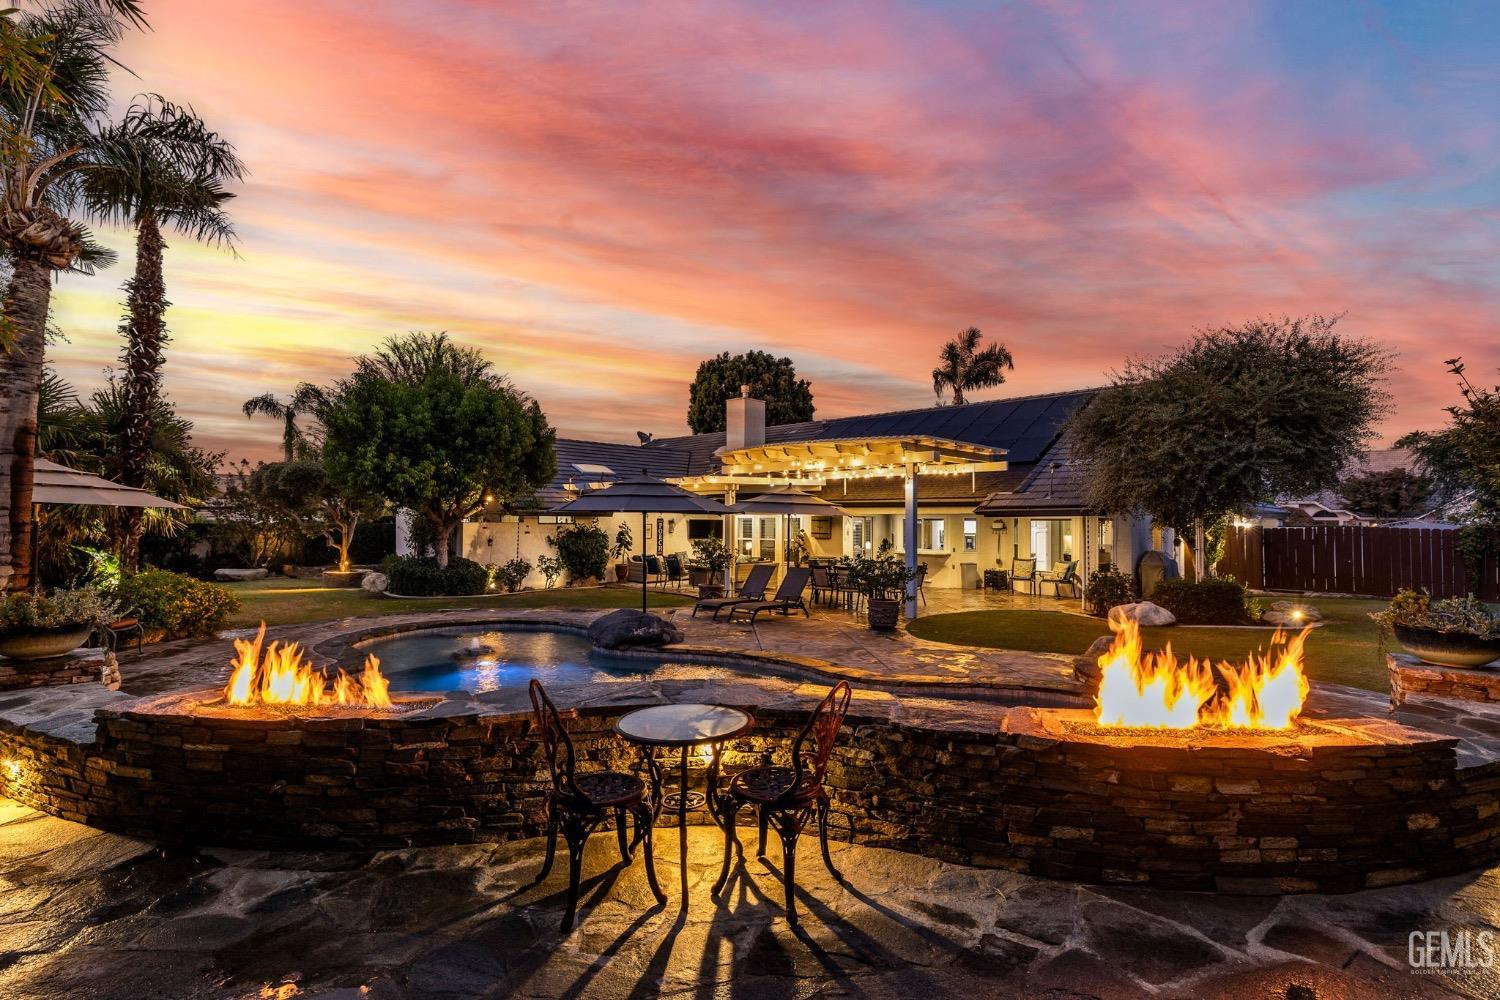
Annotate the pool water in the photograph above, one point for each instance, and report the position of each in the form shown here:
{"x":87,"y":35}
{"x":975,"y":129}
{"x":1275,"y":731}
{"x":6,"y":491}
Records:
{"x":480,"y":660}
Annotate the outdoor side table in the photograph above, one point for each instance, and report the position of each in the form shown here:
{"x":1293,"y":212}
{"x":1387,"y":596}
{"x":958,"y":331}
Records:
{"x":683,"y":727}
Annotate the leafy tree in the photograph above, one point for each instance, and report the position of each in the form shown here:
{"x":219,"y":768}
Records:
{"x":430,"y":426}
{"x":307,"y":501}
{"x":964,"y":367}
{"x":54,"y":94}
{"x":788,"y":398}
{"x":165,"y":168}
{"x":1464,"y":458}
{"x":1238,"y":416}
{"x":1386,"y":493}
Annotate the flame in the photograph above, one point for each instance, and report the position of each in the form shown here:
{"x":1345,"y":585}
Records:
{"x":1157,"y":691}
{"x":278,"y":675}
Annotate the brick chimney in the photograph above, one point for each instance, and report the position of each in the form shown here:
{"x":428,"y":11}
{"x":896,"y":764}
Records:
{"x":744,"y":421}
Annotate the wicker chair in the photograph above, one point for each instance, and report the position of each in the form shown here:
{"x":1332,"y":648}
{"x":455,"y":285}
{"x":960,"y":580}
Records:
{"x":577,"y":803}
{"x":788,"y":797}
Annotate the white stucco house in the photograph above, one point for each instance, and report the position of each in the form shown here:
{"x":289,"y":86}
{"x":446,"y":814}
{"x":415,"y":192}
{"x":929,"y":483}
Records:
{"x":978,"y":486}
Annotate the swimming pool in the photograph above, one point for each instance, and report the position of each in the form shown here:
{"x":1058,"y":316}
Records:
{"x":477,"y":660}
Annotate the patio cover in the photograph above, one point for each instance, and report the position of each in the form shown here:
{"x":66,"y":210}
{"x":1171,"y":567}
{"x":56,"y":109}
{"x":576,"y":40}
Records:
{"x":58,"y":484}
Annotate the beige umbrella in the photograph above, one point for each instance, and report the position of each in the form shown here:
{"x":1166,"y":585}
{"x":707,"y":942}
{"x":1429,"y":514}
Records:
{"x":58,"y":484}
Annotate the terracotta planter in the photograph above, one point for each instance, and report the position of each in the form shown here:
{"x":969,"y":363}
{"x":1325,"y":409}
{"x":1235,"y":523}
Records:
{"x":1447,"y":649}
{"x":884,"y":613}
{"x":622,"y":570}
{"x":40,"y":643}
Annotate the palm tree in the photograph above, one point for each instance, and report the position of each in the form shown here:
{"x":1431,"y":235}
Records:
{"x":967,"y":368}
{"x":294,"y":440}
{"x":50,"y":110}
{"x":165,"y":168}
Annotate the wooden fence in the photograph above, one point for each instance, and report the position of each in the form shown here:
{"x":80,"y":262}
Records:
{"x":1334,"y":559}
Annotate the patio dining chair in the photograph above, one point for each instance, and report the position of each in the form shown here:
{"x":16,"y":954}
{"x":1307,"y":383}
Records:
{"x":753,"y":589}
{"x":1023,"y":571}
{"x":788,"y":797}
{"x":788,"y":596}
{"x":1066,"y":577}
{"x":114,"y":633}
{"x":577,"y":803}
{"x":655,"y":571}
{"x":674,"y":573}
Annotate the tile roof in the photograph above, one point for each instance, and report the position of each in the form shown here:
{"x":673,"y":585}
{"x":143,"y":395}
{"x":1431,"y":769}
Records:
{"x":1026,"y":426}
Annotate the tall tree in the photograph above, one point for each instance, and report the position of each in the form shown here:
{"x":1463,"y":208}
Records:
{"x":1236,"y":417}
{"x":788,"y":399}
{"x":432,"y":427}
{"x":165,"y":168}
{"x":303,"y":402}
{"x":51,"y":113}
{"x":963,"y":366}
{"x":1386,"y":492}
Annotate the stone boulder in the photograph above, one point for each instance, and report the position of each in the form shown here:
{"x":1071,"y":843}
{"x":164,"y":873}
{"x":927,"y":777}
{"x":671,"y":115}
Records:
{"x":626,"y":629}
{"x":1291,"y":614}
{"x":235,"y":575}
{"x":1142,"y":613}
{"x":375,"y":583}
{"x":1086,"y":667}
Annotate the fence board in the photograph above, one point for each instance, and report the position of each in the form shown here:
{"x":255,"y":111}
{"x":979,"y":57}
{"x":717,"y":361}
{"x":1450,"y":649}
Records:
{"x":1342,"y":559}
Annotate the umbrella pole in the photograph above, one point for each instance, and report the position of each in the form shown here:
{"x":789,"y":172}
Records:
{"x":643,"y":562}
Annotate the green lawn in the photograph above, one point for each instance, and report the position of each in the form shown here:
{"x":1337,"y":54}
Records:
{"x":281,"y":601}
{"x":1345,"y":649}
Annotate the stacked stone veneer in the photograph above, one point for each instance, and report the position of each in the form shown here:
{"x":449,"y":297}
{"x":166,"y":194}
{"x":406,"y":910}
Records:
{"x":1412,"y":678}
{"x":75,"y":668}
{"x":1335,"y":816}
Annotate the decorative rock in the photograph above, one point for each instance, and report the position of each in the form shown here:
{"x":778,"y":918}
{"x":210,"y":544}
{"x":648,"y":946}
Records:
{"x":375,"y":583}
{"x":1142,"y":613}
{"x":109,"y":672}
{"x":1086,"y":667}
{"x":1291,"y":613}
{"x":232,"y":575}
{"x":624,"y":629}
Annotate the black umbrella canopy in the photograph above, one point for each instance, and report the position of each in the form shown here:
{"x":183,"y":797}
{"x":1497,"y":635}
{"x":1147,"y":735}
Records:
{"x":641,"y":495}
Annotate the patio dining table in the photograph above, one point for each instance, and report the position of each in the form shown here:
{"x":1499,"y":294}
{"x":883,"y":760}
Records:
{"x":683,"y":727}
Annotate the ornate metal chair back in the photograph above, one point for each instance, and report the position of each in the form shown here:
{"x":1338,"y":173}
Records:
{"x":557,"y":745}
{"x":814,"y":745}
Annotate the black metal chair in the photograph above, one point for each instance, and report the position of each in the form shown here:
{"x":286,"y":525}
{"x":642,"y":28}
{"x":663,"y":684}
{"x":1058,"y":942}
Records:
{"x":1023,"y":571}
{"x":788,"y":798}
{"x":577,"y":803}
{"x":113,"y":633}
{"x":675,"y":574}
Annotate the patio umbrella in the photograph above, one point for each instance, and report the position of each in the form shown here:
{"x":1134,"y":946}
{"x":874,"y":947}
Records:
{"x":644,"y":495}
{"x":58,"y":484}
{"x":788,"y":501}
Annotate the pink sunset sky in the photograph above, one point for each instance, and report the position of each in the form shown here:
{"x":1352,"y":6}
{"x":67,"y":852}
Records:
{"x":601,"y":195}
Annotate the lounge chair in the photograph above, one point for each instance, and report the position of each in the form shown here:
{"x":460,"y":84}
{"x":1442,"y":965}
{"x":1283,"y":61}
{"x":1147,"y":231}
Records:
{"x":753,"y":589}
{"x":1068,"y":577}
{"x":788,"y":596}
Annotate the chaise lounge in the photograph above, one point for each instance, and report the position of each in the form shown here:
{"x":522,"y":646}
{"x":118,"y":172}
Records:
{"x":788,"y":596}
{"x":753,"y":589}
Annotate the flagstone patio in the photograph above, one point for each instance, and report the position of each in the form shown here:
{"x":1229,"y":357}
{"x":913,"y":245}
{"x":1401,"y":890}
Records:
{"x":91,"y":914}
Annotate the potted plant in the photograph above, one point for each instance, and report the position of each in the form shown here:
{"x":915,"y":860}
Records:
{"x":34,"y":626}
{"x":1454,"y":632}
{"x":624,"y":542}
{"x":706,"y":569}
{"x":882,"y":581}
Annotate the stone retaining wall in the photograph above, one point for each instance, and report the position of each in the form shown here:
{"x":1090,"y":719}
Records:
{"x":74,"y":668}
{"x":1334,"y":816}
{"x":1412,"y":678}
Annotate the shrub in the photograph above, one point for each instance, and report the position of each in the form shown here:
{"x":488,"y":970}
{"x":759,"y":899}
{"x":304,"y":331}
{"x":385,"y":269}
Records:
{"x":1109,"y":588}
{"x":583,"y":550}
{"x":176,"y":602}
{"x":711,"y":554}
{"x":551,"y":568}
{"x":513,"y":574}
{"x":412,"y":576}
{"x":63,"y":608}
{"x":1453,"y":615}
{"x":1208,"y":602}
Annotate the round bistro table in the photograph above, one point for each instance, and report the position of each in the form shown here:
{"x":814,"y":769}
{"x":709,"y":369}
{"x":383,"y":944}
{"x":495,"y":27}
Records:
{"x":683,"y":727}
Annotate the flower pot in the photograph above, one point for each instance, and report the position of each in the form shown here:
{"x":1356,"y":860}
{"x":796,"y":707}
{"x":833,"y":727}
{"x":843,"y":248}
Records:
{"x":40,"y":643}
{"x":700,"y":577}
{"x":710,"y":591}
{"x":622,"y":570}
{"x":884,"y":613}
{"x":1448,"y":649}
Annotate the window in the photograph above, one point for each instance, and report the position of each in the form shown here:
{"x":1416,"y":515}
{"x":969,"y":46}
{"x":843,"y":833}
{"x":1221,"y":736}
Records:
{"x":971,"y":534}
{"x":554,"y":519}
{"x":768,"y":538}
{"x":932,"y":534}
{"x":744,"y":535}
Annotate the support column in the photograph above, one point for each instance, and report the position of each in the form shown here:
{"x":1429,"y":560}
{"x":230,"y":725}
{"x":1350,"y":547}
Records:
{"x":731,"y":497}
{"x":909,"y":534}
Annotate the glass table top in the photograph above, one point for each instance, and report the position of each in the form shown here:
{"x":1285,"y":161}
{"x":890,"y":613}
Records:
{"x":682,"y":724}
